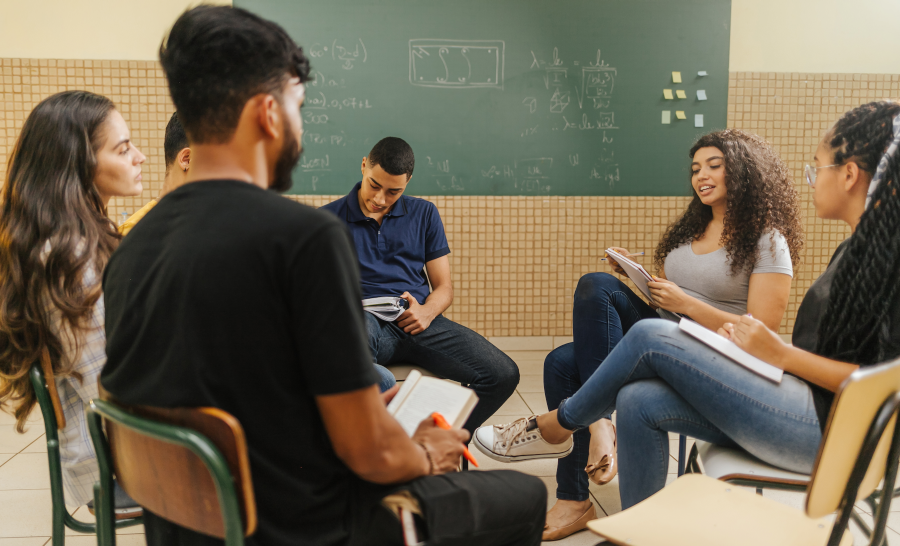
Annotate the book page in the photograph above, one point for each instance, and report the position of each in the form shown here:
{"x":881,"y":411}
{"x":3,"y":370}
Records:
{"x":411,"y":379}
{"x":732,"y":351}
{"x":431,"y":395}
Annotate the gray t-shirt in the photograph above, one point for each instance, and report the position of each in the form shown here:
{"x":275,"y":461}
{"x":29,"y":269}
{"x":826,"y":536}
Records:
{"x":708,"y":277}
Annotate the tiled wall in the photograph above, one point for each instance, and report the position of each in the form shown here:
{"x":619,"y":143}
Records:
{"x":515,"y":260}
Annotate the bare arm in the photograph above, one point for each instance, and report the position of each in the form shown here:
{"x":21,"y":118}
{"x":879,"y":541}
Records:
{"x":374,"y":445}
{"x":418,"y":317}
{"x":754,"y":337}
{"x":766,"y":300}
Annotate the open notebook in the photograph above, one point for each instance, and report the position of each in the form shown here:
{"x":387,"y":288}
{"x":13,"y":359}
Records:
{"x":421,"y":396}
{"x":732,"y":351}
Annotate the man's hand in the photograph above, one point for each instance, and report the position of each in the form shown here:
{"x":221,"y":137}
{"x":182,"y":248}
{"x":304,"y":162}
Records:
{"x":752,"y":336}
{"x":669,"y":296}
{"x":445,"y":446}
{"x":389,"y":394}
{"x":417,"y":318}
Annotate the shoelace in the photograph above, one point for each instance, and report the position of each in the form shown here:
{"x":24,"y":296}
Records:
{"x":512,"y":434}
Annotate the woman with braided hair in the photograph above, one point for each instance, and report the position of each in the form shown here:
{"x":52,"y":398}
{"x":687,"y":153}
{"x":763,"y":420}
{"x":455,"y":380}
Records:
{"x":661,"y":380}
{"x":732,"y":251}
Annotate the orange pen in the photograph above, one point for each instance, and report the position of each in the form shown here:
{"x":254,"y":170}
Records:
{"x":441,"y":422}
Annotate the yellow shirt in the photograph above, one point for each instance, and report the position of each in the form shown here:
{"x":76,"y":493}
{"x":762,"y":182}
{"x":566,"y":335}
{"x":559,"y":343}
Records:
{"x":135,"y":218}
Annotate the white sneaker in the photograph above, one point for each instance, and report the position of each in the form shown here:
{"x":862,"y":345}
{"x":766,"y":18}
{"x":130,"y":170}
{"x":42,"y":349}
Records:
{"x":512,"y":442}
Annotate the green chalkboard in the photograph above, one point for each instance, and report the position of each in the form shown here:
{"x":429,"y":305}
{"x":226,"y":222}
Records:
{"x":509,"y":97}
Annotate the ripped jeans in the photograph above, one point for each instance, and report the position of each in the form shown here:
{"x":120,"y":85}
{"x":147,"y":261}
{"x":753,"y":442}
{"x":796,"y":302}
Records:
{"x":661,"y":380}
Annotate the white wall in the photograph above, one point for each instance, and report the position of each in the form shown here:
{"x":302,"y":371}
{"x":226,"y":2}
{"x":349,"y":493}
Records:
{"x":87,"y":29}
{"x":815,"y":36}
{"x":766,"y":35}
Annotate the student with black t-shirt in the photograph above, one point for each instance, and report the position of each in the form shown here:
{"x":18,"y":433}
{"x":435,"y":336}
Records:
{"x":661,"y":380}
{"x":228,"y":295}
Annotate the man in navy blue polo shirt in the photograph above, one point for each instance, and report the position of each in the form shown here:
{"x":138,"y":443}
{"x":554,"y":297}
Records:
{"x":401,"y":246}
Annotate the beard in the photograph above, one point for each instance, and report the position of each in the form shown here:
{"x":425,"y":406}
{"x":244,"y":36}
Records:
{"x":287,"y":160}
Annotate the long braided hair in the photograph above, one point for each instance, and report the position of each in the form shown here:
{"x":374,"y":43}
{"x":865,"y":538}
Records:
{"x":761,"y":197}
{"x":856,"y":327}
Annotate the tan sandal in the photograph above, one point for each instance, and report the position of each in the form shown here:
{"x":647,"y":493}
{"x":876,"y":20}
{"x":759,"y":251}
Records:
{"x":603,"y":471}
{"x":559,"y":533}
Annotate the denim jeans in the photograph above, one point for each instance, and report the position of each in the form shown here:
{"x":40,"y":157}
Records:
{"x":661,"y":380}
{"x":386,"y":379}
{"x":454,"y":352}
{"x":604,"y":310}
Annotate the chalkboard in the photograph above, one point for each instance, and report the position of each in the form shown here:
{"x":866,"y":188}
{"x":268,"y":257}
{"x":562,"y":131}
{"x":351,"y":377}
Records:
{"x":509,"y":97}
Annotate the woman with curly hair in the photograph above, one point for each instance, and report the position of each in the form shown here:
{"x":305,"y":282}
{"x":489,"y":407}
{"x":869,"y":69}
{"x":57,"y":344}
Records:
{"x":730,"y":252}
{"x":73,"y":155}
{"x":661,"y":380}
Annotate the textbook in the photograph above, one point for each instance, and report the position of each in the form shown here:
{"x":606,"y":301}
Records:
{"x":386,"y":308}
{"x":732,"y":351}
{"x":635,"y":272}
{"x":421,"y":396}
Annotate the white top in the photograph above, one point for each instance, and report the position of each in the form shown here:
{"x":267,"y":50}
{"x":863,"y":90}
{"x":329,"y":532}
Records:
{"x":708,"y":277}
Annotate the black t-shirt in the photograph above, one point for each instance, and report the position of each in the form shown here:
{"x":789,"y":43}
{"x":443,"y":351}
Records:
{"x":231,"y":296}
{"x":809,"y":316}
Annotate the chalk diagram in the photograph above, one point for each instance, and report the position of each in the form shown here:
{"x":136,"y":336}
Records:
{"x":459,"y":64}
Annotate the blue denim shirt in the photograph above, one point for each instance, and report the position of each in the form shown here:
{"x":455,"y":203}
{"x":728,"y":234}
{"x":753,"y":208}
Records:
{"x":392,"y":256}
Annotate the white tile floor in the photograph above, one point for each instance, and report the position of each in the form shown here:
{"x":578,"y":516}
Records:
{"x":25,"y":494}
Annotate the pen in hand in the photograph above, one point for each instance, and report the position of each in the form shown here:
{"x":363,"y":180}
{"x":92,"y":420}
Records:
{"x":441,"y":422}
{"x":626,"y":255}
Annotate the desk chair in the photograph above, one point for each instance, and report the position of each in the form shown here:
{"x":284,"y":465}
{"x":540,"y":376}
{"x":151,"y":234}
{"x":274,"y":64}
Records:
{"x":54,"y":420}
{"x":187,"y":465}
{"x":861,"y":446}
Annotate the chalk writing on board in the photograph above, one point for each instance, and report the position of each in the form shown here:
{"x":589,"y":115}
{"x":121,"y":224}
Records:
{"x":449,"y":183}
{"x":558,"y":102}
{"x":606,"y":168}
{"x":531,"y":102}
{"x":333,"y":140}
{"x":347,"y":54}
{"x":319,"y":101}
{"x":534,"y":174}
{"x":319,"y":79}
{"x":597,"y":84}
{"x":310,"y":164}
{"x":459,"y":64}
{"x":556,"y":77}
{"x":529,"y":131}
{"x":604,"y":120}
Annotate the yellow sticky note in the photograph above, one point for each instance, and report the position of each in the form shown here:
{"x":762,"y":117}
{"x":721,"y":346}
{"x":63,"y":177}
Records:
{"x":680,"y":94}
{"x":680,"y":114}
{"x":668,"y":94}
{"x":676,"y":77}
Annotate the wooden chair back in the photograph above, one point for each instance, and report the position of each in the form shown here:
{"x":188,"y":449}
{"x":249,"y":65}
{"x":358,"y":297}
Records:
{"x":857,"y":405}
{"x":172,"y":481}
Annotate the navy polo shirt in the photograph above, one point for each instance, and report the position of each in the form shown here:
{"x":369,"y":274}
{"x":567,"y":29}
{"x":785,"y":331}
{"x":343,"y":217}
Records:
{"x":392,"y":256}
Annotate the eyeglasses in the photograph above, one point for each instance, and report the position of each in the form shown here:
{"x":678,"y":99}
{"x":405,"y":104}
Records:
{"x":811,"y":173}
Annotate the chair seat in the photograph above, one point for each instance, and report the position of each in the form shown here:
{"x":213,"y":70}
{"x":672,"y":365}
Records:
{"x":401,"y":371}
{"x":725,"y":463}
{"x":698,"y":510}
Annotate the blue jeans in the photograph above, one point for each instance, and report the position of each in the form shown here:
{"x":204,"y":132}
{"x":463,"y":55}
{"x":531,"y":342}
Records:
{"x":604,"y":310}
{"x":451,"y":351}
{"x":661,"y":380}
{"x":386,"y":379}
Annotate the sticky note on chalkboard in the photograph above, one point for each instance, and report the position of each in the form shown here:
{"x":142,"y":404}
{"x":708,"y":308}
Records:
{"x":680,"y":94}
{"x":698,"y":120}
{"x":701,"y":73}
{"x":701,"y":94}
{"x":680,"y":114}
{"x":666,"y":117}
{"x":667,"y":93}
{"x":676,"y":77}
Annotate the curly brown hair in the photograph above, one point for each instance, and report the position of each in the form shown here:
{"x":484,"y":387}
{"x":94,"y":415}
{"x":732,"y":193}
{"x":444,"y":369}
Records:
{"x":761,"y":197}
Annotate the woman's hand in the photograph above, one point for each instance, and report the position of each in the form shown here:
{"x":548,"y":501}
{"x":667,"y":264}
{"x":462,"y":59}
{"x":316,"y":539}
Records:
{"x":669,"y":296}
{"x":752,"y":336}
{"x":614,"y":264}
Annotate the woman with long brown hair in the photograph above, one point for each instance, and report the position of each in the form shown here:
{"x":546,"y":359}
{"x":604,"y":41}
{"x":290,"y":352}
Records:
{"x":732,"y":251}
{"x":73,"y":155}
